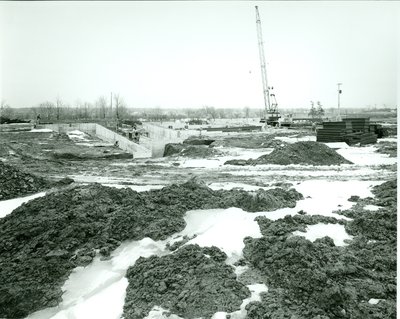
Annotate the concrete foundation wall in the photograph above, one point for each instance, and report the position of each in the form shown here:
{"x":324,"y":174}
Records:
{"x":162,"y":133}
{"x":127,"y":145}
{"x":159,"y":136}
{"x":138,"y":151}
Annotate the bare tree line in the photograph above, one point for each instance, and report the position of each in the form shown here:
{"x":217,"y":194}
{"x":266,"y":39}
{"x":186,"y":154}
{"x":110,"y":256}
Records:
{"x":101,"y":108}
{"x":114,"y":108}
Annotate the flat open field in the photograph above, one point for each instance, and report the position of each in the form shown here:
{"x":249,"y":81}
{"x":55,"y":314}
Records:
{"x":240,"y":226}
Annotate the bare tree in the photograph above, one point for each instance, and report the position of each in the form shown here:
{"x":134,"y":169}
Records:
{"x":120,"y":106}
{"x":101,"y":105}
{"x":210,"y":111}
{"x":59,"y":105}
{"x":246,"y":112}
{"x":46,"y":109}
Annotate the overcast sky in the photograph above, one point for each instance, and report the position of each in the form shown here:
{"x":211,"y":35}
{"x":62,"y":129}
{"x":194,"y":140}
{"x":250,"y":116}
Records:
{"x":192,"y":54}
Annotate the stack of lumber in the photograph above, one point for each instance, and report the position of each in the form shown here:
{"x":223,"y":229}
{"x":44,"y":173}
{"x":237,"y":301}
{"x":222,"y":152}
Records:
{"x":333,"y":131}
{"x":358,"y":124}
{"x":350,"y":130}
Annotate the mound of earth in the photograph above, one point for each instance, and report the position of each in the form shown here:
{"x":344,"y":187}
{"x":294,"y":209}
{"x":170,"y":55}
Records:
{"x":320,"y":280}
{"x":251,"y":140}
{"x":43,"y":240}
{"x":15,"y":183}
{"x":192,"y":282}
{"x":189,"y":150}
{"x":307,"y":153}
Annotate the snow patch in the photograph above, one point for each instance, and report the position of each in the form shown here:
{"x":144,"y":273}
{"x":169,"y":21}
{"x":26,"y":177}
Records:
{"x":77,"y":135}
{"x":41,"y":130}
{"x":366,"y":155}
{"x":7,"y":206}
{"x":374,"y":301}
{"x":295,"y":139}
{"x":158,"y":313}
{"x":371,"y":207}
{"x":335,"y":231}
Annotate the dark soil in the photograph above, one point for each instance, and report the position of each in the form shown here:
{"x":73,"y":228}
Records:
{"x":198,"y":141}
{"x":43,"y":240}
{"x":307,"y":153}
{"x":192,"y":282}
{"x":16,"y":183}
{"x":320,"y":280}
{"x":66,"y":155}
{"x":189,"y":150}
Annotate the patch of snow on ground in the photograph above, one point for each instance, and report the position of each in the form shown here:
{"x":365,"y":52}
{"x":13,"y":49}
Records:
{"x":294,"y":139}
{"x":388,"y":139}
{"x":7,"y":206}
{"x":98,"y":290}
{"x":231,"y":154}
{"x":374,"y":301}
{"x":229,"y":186}
{"x":158,"y":313}
{"x":366,"y":155}
{"x":371,"y":207}
{"x":337,"y":145}
{"x":41,"y":130}
{"x":334,"y":231}
{"x":77,"y":135}
{"x":304,"y":171}
{"x":209,"y":225}
{"x":328,"y":196}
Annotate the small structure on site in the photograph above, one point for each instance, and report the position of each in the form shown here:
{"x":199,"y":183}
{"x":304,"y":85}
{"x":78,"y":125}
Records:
{"x":351,"y":131}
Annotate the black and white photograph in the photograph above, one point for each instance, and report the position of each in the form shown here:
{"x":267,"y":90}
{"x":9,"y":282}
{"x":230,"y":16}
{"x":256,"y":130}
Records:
{"x":199,"y":159}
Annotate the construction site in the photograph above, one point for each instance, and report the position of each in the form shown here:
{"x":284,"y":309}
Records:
{"x":241,"y":218}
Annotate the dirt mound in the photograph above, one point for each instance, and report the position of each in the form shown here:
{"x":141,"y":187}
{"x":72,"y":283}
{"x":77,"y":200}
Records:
{"x":307,"y":153}
{"x":43,"y":240}
{"x":15,"y":183}
{"x":320,"y":280}
{"x":193,"y":282}
{"x":189,"y":150}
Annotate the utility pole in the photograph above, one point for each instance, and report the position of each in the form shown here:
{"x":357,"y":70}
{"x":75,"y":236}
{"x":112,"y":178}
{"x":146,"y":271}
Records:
{"x":338,"y":103}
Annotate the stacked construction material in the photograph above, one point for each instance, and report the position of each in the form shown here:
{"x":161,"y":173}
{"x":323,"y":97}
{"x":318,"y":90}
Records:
{"x":350,"y":130}
{"x":362,"y":132}
{"x":334,"y":132}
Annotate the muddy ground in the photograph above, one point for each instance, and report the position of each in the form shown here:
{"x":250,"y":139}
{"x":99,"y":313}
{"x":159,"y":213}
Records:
{"x":44,"y":240}
{"x":37,"y":153}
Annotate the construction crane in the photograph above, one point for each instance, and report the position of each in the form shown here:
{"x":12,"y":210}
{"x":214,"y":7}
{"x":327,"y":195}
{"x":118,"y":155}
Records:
{"x":271,"y":114}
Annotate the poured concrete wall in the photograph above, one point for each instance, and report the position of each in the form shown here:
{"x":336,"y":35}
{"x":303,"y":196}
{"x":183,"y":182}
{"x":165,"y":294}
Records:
{"x":159,"y":136}
{"x":138,"y":151}
{"x":162,"y":133}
